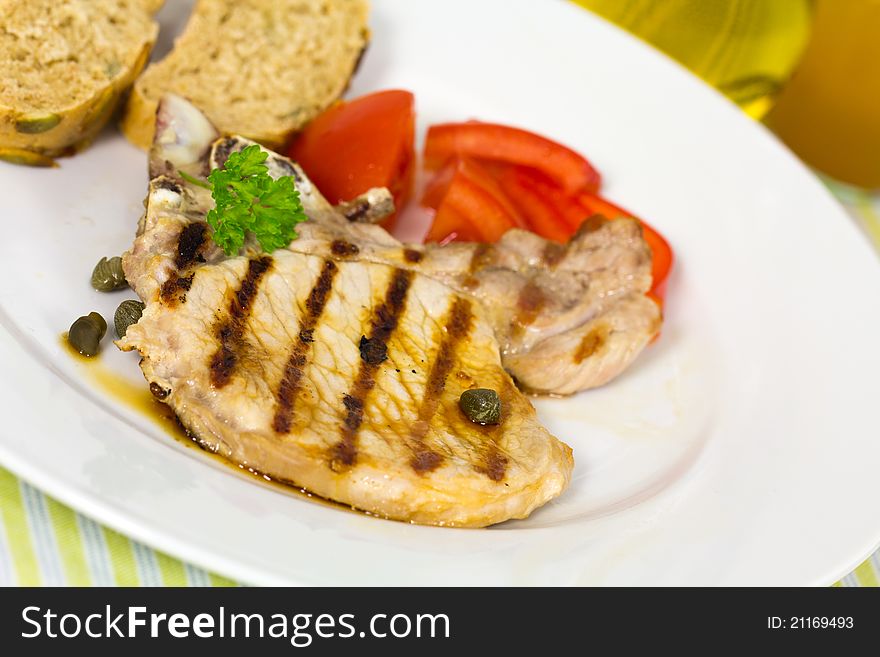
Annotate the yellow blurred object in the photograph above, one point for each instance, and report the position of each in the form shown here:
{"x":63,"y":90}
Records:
{"x":745,"y":48}
{"x":830,"y":112}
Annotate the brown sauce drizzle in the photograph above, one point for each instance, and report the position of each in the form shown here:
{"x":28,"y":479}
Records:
{"x":291,"y":380}
{"x":136,"y":397}
{"x":230,"y":331}
{"x":384,"y":322}
{"x":457,"y":328}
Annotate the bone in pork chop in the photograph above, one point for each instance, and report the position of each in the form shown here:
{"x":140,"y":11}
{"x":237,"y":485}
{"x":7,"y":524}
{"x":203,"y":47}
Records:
{"x":568,"y":317}
{"x":337,"y":364}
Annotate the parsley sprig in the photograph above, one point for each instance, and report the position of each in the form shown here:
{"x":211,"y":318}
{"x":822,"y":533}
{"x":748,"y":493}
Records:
{"x":248,"y":200}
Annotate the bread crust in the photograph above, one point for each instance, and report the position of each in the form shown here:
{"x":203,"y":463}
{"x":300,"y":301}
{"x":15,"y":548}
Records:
{"x":209,"y":89}
{"x":35,"y":136}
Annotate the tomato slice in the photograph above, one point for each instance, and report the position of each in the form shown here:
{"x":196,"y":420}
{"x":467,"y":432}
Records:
{"x":362,"y":143}
{"x":541,"y":214}
{"x":490,"y":141}
{"x":449,"y":224}
{"x":661,"y":264}
{"x":593,"y":204}
{"x":469,"y":203}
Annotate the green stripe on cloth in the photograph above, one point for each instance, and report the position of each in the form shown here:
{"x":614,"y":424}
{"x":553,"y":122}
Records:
{"x":18,"y":535}
{"x":97,"y":555}
{"x":863,"y":206}
{"x":219,"y":580}
{"x":866,"y":575}
{"x":91,"y":554}
{"x":866,"y":208}
{"x":125,"y":569}
{"x":70,"y":544}
{"x":39,"y":533}
{"x":173,"y":572}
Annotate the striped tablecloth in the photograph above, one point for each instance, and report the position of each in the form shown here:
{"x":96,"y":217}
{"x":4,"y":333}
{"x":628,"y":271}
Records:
{"x":43,"y":542}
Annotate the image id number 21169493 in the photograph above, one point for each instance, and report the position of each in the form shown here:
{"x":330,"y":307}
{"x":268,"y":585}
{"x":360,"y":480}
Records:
{"x":810,"y":622}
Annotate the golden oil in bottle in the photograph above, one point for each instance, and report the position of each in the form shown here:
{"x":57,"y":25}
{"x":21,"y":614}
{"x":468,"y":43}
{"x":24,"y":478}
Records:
{"x":745,"y":48}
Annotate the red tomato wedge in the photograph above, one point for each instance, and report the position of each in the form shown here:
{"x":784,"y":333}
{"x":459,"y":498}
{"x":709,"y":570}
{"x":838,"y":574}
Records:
{"x":468,"y":201}
{"x":450,"y":224}
{"x":500,"y":143}
{"x":661,"y":263}
{"x":362,"y":143}
{"x":541,"y":213}
{"x":594,"y":204}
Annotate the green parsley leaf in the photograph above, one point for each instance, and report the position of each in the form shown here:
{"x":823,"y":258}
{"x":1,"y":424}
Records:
{"x":248,"y":200}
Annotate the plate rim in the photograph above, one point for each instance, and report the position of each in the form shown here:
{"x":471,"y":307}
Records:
{"x":94,"y":506}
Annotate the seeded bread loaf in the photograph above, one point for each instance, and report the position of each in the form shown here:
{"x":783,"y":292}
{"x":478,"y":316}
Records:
{"x":258,"y":68}
{"x":63,"y":68}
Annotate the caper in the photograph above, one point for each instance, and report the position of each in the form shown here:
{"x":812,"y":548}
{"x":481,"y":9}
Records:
{"x":128,"y":313}
{"x":86,"y":332}
{"x":32,"y":124}
{"x":108,"y":275}
{"x":481,"y":405}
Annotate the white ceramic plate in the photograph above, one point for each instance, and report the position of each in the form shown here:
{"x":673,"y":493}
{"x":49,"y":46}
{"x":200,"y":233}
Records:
{"x":741,"y":448}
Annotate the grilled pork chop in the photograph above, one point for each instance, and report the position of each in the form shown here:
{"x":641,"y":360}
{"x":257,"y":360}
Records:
{"x":337,"y":364}
{"x":567,"y":317}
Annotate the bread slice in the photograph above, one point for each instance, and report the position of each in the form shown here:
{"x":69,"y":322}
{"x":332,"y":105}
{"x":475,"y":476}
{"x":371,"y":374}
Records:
{"x":258,"y":68}
{"x":65,"y":66}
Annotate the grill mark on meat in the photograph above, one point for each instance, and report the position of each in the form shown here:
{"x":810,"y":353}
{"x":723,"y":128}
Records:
{"x":343,"y":249}
{"x":373,"y":351}
{"x":175,"y":288}
{"x":412,"y":256}
{"x":592,"y":223}
{"x":480,"y":259}
{"x":553,"y":253}
{"x":384,"y":322}
{"x":230,"y":331}
{"x":458,"y":326}
{"x":496,"y":464}
{"x":494,"y":461}
{"x":592,"y":342}
{"x":356,"y":211}
{"x":529,"y":304}
{"x":291,"y":380}
{"x":191,"y":239}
